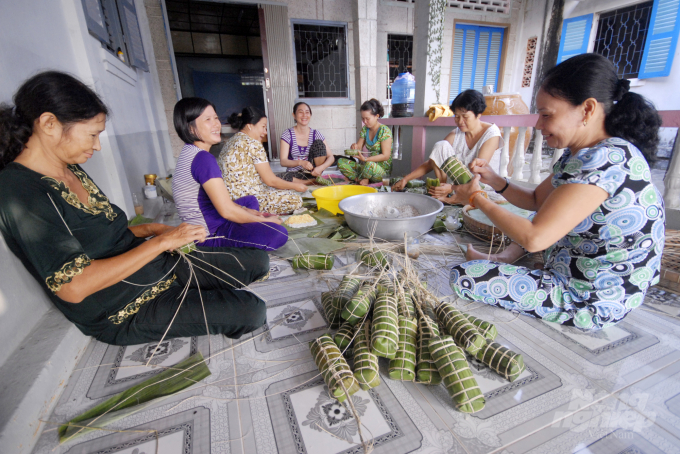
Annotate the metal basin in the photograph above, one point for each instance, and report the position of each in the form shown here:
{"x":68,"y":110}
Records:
{"x":390,"y":229}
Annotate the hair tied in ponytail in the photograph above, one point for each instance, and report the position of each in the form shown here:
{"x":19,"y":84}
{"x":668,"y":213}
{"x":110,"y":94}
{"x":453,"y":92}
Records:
{"x":622,"y":87}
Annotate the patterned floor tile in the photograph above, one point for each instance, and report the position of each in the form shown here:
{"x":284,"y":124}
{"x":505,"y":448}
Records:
{"x":306,"y":420}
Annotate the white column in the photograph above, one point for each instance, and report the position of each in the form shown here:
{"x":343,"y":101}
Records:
{"x":556,"y":156}
{"x":536,"y":158}
{"x":365,"y":49}
{"x":505,"y":152}
{"x":672,"y":180}
{"x":518,"y":157}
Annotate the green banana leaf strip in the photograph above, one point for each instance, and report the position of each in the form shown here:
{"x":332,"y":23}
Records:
{"x":456,"y":374}
{"x":170,"y":381}
{"x":415,"y":184}
{"x":307,"y":245}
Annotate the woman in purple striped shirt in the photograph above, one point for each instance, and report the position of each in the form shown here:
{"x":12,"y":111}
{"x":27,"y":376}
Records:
{"x":304,"y":150}
{"x":202,"y":198}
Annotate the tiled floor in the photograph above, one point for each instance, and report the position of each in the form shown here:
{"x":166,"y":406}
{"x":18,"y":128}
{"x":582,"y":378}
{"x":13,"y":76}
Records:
{"x":617,"y":391}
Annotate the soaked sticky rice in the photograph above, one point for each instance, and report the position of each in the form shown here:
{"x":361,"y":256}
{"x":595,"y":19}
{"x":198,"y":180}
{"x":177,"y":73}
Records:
{"x":391,"y":212}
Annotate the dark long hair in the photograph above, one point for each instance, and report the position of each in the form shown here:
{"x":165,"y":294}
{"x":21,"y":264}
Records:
{"x":187,"y":110}
{"x":248,"y":116}
{"x":627,"y":115}
{"x":61,"y":94}
{"x":373,"y":106}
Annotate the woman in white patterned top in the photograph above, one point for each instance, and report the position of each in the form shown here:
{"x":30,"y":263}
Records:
{"x":472,"y":139}
{"x":245,"y":167}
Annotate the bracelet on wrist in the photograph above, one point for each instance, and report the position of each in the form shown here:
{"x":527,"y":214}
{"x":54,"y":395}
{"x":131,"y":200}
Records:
{"x":507,"y":183}
{"x":472,"y":197}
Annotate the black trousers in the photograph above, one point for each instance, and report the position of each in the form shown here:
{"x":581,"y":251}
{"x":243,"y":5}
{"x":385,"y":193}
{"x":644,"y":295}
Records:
{"x":214,"y":287}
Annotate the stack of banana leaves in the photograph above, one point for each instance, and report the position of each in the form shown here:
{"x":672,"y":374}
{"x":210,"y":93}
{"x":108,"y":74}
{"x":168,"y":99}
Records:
{"x":395,"y":320}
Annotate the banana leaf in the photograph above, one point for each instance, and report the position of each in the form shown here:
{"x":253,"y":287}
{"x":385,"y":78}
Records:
{"x":426,"y":369}
{"x":309,"y":261}
{"x":365,"y":362}
{"x":170,"y":381}
{"x":343,"y":338}
{"x":502,"y":360}
{"x":457,"y":171}
{"x":455,"y":323}
{"x":432,"y":182}
{"x":415,"y":184}
{"x":403,"y":366}
{"x":307,"y":246}
{"x":385,"y":332}
{"x":456,"y":374}
{"x":487,"y":329}
{"x":332,"y":312}
{"x":405,"y":305}
{"x":333,"y":367}
{"x":358,"y":306}
{"x":394,"y":180}
{"x":418,"y":190}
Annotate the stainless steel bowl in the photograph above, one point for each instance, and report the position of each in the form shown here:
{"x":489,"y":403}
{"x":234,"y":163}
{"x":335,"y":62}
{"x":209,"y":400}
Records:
{"x":390,"y":229}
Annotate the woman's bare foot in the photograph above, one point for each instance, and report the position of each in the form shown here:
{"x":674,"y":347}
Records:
{"x":509,"y":255}
{"x":364,"y":182}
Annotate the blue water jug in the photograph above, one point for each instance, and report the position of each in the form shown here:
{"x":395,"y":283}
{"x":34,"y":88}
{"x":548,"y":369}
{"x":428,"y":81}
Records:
{"x":403,"y":95}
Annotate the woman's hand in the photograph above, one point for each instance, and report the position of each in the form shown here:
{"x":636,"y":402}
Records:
{"x":299,"y":187}
{"x":399,"y":185}
{"x":274,"y":219}
{"x":317,"y":172}
{"x":355,"y":146}
{"x":464,"y":191}
{"x":182,"y":235}
{"x":253,"y":212}
{"x":361,"y":157}
{"x":488,"y":175}
{"x":441,"y":191}
{"x":306,"y":165}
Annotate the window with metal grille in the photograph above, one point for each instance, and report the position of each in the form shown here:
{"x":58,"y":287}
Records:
{"x":621,"y":36}
{"x":115,"y":24}
{"x":476,"y":58}
{"x":399,"y":56}
{"x":321,"y":59}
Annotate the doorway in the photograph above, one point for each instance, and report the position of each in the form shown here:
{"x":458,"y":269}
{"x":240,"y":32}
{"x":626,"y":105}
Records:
{"x":218,"y":53}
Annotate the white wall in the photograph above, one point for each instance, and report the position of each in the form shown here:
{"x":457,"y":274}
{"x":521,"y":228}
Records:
{"x":132,"y":145}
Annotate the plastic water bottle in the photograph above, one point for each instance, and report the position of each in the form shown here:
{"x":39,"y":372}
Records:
{"x":403,"y":95}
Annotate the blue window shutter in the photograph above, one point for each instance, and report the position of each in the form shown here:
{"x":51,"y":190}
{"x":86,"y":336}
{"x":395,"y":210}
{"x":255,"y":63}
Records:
{"x":94,"y":16}
{"x":133,"y":36}
{"x":494,"y":62}
{"x":575,"y":35}
{"x":456,"y":66}
{"x":662,"y":38}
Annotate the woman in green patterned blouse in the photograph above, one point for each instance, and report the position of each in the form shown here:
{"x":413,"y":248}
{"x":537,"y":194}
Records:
{"x":378,"y":141}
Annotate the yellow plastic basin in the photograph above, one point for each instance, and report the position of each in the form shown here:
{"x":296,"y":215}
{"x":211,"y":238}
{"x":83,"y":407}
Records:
{"x":329,"y":197}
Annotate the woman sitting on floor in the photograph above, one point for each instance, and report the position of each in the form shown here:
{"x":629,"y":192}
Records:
{"x":599,"y":216}
{"x":304,"y":150}
{"x":245,"y":167}
{"x":472,"y":139}
{"x":105,"y":277}
{"x":378,"y":140}
{"x":199,"y":191}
